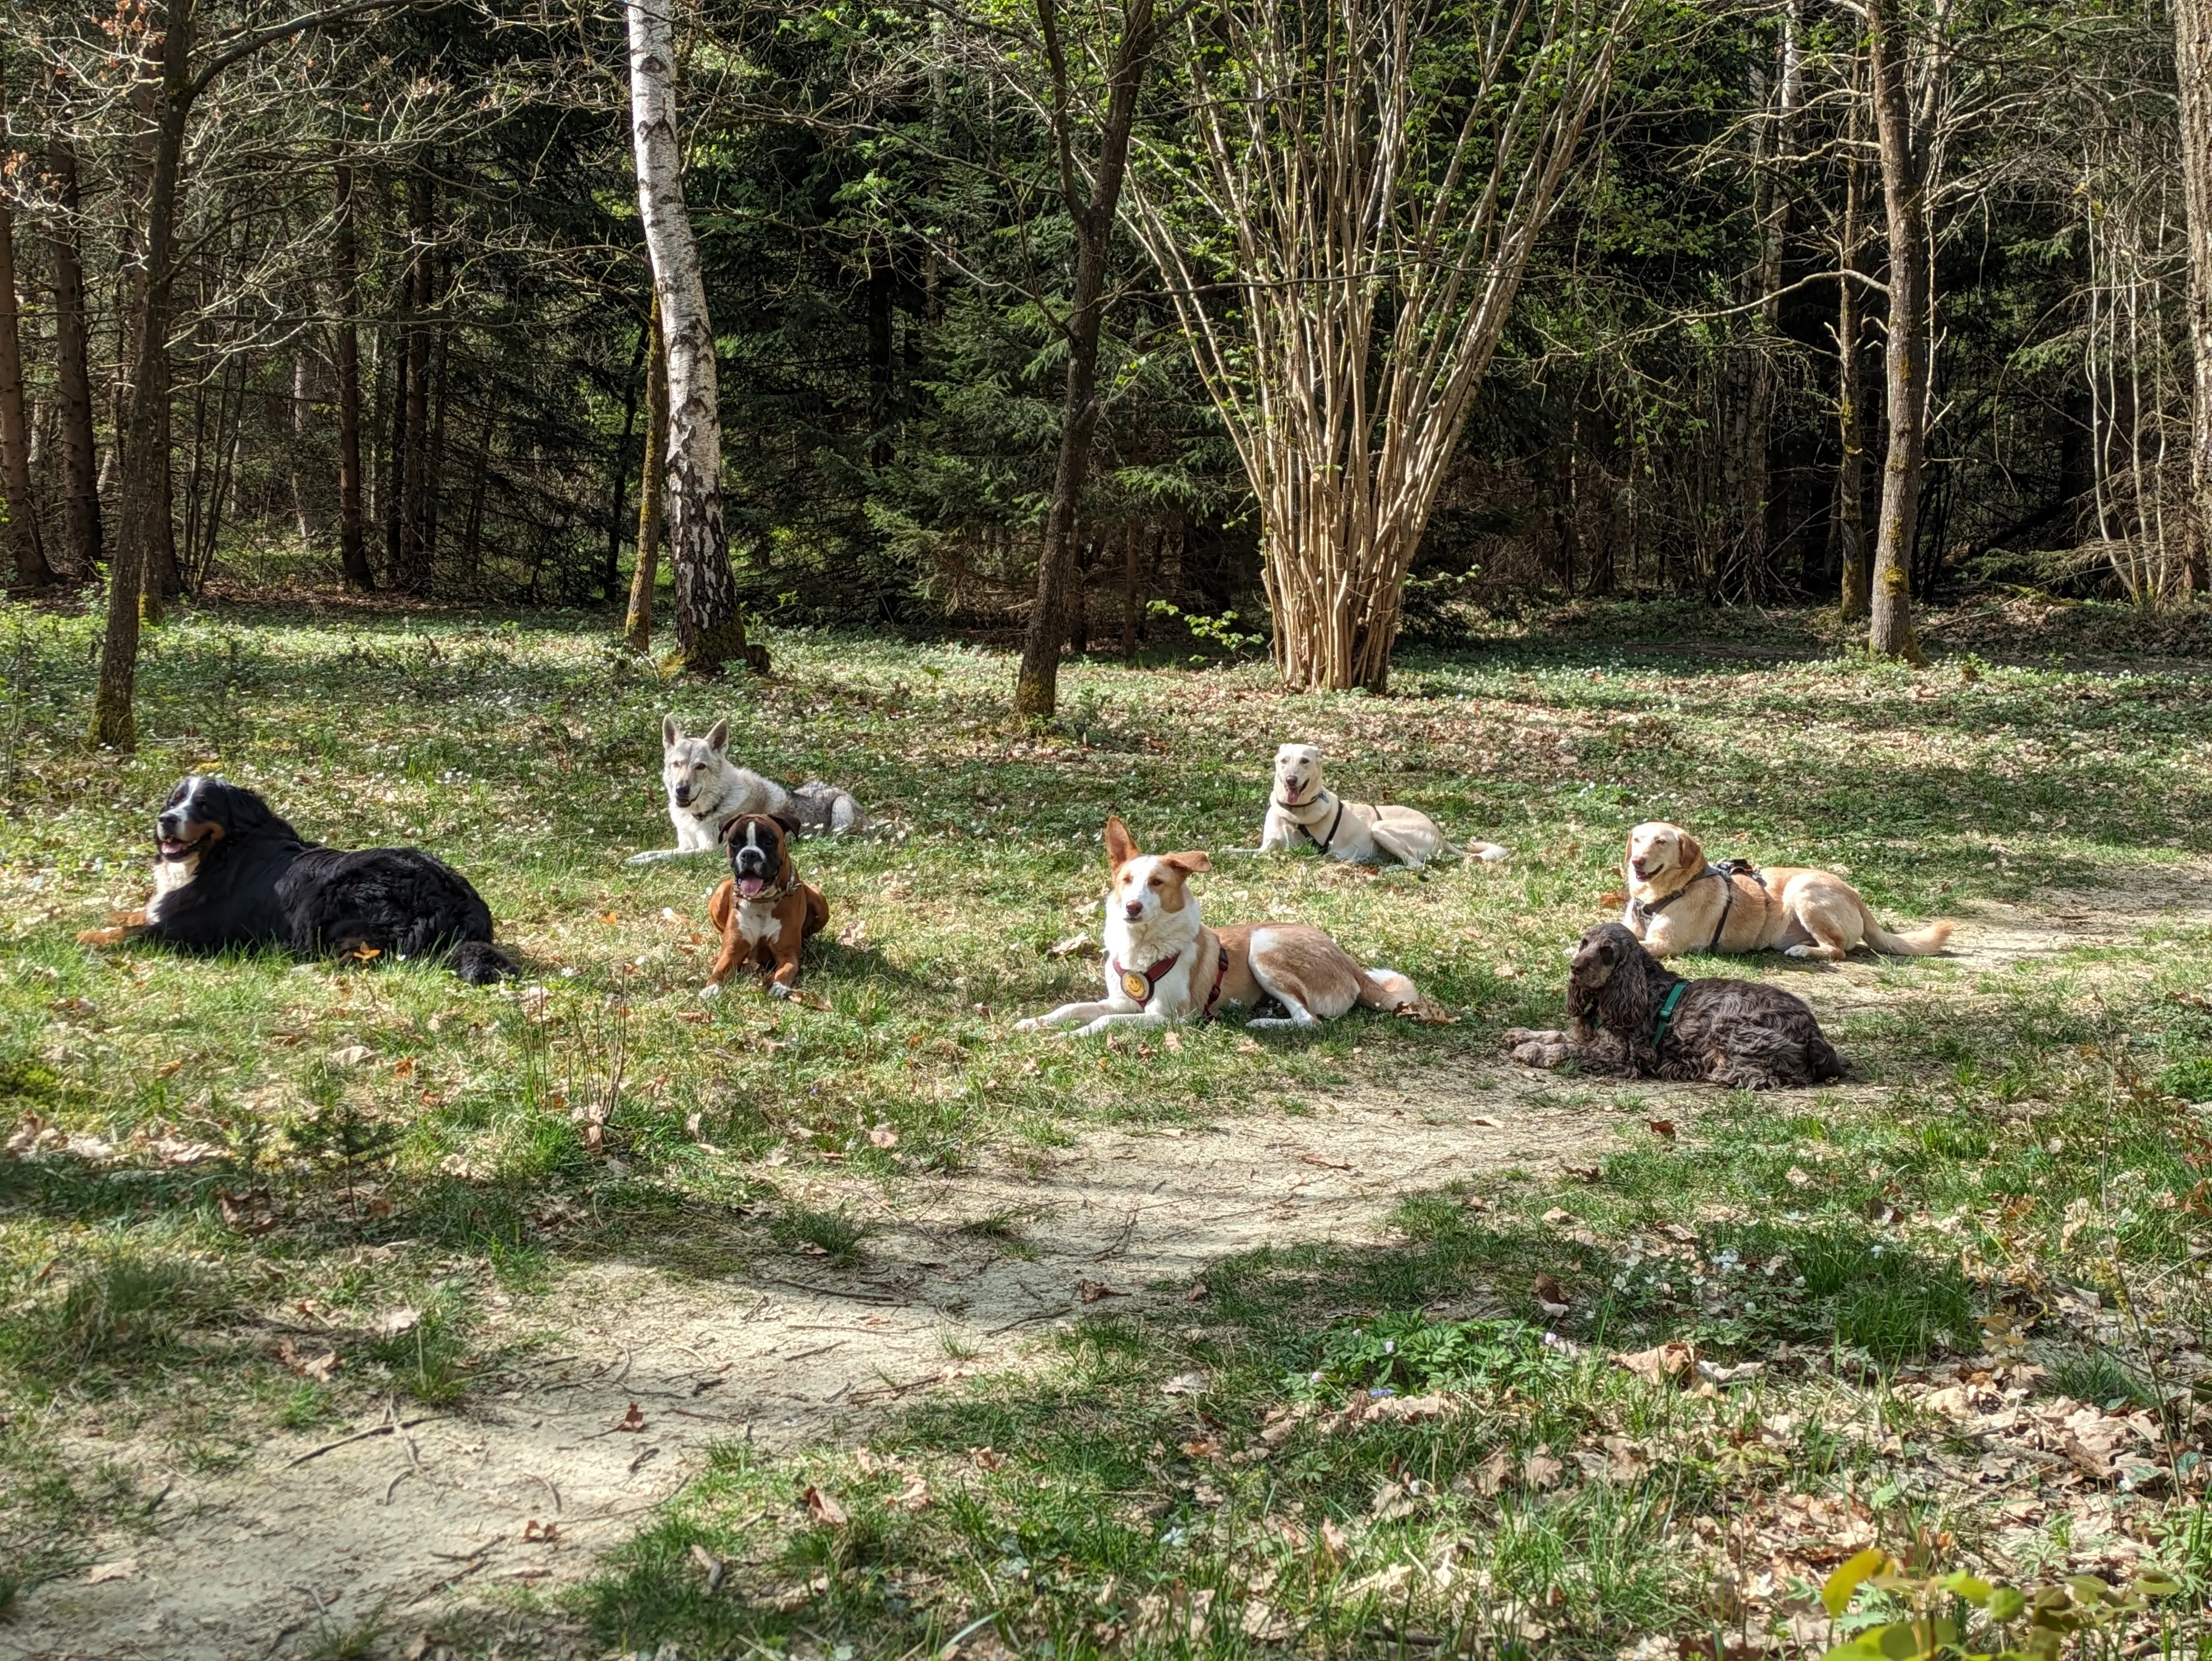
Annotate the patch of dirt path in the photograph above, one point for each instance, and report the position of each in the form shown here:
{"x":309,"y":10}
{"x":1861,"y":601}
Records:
{"x":448,"y":1508}
{"x":411,"y":1522}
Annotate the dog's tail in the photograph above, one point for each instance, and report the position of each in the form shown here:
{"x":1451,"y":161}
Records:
{"x":480,"y":963}
{"x":836,"y":810}
{"x":1386,"y":989}
{"x":1921,"y":943}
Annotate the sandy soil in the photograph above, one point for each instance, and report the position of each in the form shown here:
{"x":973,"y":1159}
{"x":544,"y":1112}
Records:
{"x":440,"y":1510}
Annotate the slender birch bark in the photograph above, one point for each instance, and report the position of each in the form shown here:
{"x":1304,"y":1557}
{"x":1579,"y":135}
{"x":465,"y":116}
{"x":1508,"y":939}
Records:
{"x":1037,"y":687}
{"x":2192,"y":50}
{"x":411,"y":568}
{"x":709,"y":629}
{"x":645,"y":572}
{"x":1369,"y":217}
{"x":1903,"y":153}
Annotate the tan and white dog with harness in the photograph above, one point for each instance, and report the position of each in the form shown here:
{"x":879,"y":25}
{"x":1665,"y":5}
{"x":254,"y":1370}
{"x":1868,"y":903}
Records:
{"x":1678,"y":901}
{"x":1301,"y":811}
{"x":1164,"y":966}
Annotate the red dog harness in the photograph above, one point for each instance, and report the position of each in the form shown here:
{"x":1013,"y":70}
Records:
{"x":1141,"y":986}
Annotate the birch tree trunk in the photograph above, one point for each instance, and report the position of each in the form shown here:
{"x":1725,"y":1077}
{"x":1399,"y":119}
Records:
{"x":1903,"y":153}
{"x":709,"y":629}
{"x":73,"y":372}
{"x":1343,"y":238}
{"x":2192,"y":50}
{"x":1036,"y":689}
{"x":645,"y":572}
{"x":411,"y":567}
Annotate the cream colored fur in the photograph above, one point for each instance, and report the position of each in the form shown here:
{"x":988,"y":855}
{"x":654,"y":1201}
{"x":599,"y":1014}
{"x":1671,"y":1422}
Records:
{"x":1303,"y":812}
{"x":1675,"y":906}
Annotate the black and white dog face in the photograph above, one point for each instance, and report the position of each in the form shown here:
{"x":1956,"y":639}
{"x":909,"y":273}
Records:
{"x":691,"y":766}
{"x":759,"y":859}
{"x":201,"y":811}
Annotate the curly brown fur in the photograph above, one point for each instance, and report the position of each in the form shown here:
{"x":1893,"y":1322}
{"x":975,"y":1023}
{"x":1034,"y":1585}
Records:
{"x":1728,"y":1032}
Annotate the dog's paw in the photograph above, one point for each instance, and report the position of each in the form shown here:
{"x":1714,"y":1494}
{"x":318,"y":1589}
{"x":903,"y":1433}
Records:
{"x":1029,"y":1023}
{"x":778,"y":989}
{"x":1490,"y":852}
{"x":711,"y":991}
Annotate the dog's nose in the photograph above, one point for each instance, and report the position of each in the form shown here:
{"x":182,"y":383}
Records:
{"x":1133,"y":910}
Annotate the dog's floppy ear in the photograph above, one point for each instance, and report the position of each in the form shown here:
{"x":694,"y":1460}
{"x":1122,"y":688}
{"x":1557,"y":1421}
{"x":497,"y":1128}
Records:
{"x":718,"y":736}
{"x":1693,"y":852}
{"x":670,"y":730}
{"x":1190,"y":863}
{"x":786,"y":823}
{"x":730,"y":830}
{"x":1121,"y":846}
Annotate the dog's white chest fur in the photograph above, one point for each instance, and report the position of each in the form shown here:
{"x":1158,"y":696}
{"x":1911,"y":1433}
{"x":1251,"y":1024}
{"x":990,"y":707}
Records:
{"x":757,"y":921}
{"x":169,"y":877}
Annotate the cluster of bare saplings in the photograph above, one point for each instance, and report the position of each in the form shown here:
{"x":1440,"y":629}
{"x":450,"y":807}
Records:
{"x":1375,"y":301}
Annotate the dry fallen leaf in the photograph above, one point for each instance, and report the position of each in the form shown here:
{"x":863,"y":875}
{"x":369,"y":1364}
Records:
{"x":1068,"y":947}
{"x":1092,"y":1291}
{"x":1334,"y":1539}
{"x":1492,"y":1473}
{"x":1185,"y":1384}
{"x":1540,"y":1471}
{"x":1660,"y":1127}
{"x":122,"y":1569}
{"x":824,"y":1508}
{"x":914,"y":1496}
{"x":1672,"y":1360}
{"x":1550,"y":1296}
{"x":1486,"y":1123}
{"x":352,"y":1055}
{"x":316,"y":1367}
{"x":988,"y":1457}
{"x":713,"y":1564}
{"x":883,"y":1136}
{"x":1797,"y":1177}
{"x":633,"y":1421}
{"x":535,"y":1533}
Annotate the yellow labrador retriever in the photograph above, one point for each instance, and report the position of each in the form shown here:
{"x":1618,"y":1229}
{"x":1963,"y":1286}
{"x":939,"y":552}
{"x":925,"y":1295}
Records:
{"x":1304,"y":813}
{"x":1680,"y":902}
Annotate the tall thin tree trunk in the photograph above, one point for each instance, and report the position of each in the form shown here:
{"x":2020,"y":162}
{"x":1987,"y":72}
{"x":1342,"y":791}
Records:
{"x":396,"y":349}
{"x":1857,"y":586}
{"x":611,"y":583}
{"x":145,"y":465}
{"x":1752,"y":575}
{"x":352,"y":550}
{"x":710,"y":631}
{"x":306,"y":488}
{"x":1037,"y":687}
{"x":32,"y":570}
{"x":164,"y":578}
{"x":434,"y":454}
{"x":413,"y":562}
{"x":73,"y":374}
{"x":2192,"y":52}
{"x":637,"y":627}
{"x":883,"y":358}
{"x":1129,"y":593}
{"x":1904,"y":182}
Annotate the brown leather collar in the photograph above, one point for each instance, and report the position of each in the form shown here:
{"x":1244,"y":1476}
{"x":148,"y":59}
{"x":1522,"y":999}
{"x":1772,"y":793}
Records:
{"x":1220,"y":974}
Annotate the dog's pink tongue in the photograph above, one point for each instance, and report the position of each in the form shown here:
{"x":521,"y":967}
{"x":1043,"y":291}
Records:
{"x":750,"y":887}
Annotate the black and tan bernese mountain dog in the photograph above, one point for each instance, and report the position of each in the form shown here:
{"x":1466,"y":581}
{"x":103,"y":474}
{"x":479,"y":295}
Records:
{"x":230,"y":872}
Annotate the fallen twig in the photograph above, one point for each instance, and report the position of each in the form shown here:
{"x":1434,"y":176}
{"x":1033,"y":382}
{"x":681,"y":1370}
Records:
{"x":389,"y":1427}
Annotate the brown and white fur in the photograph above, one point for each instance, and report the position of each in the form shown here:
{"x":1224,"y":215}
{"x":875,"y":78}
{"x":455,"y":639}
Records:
{"x":1152,"y":917}
{"x":707,"y":790}
{"x":1677,"y":903}
{"x":1303,"y":811}
{"x":764,"y":912}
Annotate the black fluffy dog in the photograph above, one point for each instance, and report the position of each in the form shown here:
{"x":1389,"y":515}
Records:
{"x":230,"y":872}
{"x":1636,"y":1018}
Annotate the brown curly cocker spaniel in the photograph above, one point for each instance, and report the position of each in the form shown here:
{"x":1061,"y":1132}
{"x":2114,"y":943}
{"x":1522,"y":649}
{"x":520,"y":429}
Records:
{"x":1639,"y":1020}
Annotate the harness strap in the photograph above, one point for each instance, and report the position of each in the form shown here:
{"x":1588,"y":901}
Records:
{"x":1220,"y":974}
{"x":1729,"y":871}
{"x":1647,"y":912}
{"x":1666,"y":1013}
{"x":1140,"y":985}
{"x":1322,"y":842}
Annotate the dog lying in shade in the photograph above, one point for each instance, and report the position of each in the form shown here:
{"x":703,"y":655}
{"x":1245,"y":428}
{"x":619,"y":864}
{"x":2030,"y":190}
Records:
{"x":229,"y":873}
{"x":1636,"y":1018}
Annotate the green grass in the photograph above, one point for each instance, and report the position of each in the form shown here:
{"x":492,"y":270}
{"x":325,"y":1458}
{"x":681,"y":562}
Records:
{"x":362,"y":1141}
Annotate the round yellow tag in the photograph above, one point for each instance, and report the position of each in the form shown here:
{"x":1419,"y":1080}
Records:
{"x":1136,"y":985}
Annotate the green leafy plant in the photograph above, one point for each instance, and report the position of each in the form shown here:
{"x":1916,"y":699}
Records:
{"x":1963,"y":1617}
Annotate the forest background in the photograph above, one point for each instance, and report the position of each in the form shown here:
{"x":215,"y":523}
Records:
{"x":404,"y":333}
